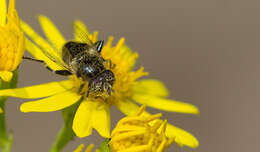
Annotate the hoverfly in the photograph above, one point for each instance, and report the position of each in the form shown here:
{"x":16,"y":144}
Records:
{"x":83,"y":59}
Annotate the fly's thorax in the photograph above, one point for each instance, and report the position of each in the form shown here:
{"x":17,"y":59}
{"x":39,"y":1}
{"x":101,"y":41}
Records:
{"x":71,"y":49}
{"x":92,"y":51}
{"x":88,"y":66}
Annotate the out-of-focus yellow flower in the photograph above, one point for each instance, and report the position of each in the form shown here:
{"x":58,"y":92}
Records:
{"x":95,"y":112}
{"x":140,"y":133}
{"x":88,"y":149}
{"x":1,"y":111}
{"x":12,"y":40}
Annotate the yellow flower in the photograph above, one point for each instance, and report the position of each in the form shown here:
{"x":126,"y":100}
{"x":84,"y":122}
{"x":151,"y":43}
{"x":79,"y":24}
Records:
{"x":88,"y":149}
{"x":1,"y":111}
{"x":95,"y":113}
{"x":140,"y":133}
{"x":12,"y":40}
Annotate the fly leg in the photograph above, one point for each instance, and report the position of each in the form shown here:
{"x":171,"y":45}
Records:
{"x":110,"y":64}
{"x":81,"y":87}
{"x":59,"y":72}
{"x":89,"y":87}
{"x":32,"y":59}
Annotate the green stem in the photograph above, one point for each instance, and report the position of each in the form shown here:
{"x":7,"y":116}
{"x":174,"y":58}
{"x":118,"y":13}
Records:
{"x":66,"y":133}
{"x":6,"y":139}
{"x":64,"y":136}
{"x":104,"y":147}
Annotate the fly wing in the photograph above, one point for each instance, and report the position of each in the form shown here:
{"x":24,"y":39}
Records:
{"x":56,"y":58}
{"x":81,"y":33}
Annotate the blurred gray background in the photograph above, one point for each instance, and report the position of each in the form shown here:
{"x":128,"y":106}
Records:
{"x":205,"y":51}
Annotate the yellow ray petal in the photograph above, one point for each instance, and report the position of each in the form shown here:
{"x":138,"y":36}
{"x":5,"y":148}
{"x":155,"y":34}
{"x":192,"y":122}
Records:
{"x":12,"y":13}
{"x":38,"y":91}
{"x":37,"y":53}
{"x":3,"y":12}
{"x":127,"y":107}
{"x":20,"y":51}
{"x":12,"y":16}
{"x":80,"y":31}
{"x":151,"y":87}
{"x":53,"y":103}
{"x":1,"y":110}
{"x":165,"y":104}
{"x":6,"y":75}
{"x":42,"y":43}
{"x":92,"y":114}
{"x":89,"y":148}
{"x":79,"y":148}
{"x":11,"y":6}
{"x":51,"y":32}
{"x":182,"y":137}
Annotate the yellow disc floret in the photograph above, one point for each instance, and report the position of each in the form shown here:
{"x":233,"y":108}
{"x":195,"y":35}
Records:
{"x":139,"y":134}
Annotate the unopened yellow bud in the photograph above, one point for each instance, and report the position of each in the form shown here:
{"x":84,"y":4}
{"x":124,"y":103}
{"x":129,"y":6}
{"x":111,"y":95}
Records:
{"x":12,"y":40}
{"x":136,"y":134}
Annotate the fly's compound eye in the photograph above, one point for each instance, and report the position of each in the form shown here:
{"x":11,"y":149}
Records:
{"x":109,"y":76}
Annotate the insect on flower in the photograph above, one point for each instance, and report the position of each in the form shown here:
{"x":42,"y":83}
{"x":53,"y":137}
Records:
{"x":127,"y":88}
{"x":83,"y":59}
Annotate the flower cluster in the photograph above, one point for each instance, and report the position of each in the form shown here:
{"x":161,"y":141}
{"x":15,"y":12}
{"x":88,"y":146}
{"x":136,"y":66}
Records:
{"x":127,"y":89}
{"x":12,"y":40}
{"x":139,"y":131}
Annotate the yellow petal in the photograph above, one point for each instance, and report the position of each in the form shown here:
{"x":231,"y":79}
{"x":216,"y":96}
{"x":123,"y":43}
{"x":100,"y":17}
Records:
{"x":51,"y":32}
{"x":20,"y":51}
{"x":182,"y":137}
{"x":11,"y":6}
{"x":42,"y":43}
{"x":38,"y":91}
{"x":2,"y":12}
{"x":79,"y":148}
{"x":1,"y":110}
{"x":89,"y":148}
{"x":12,"y":14}
{"x":92,"y":114}
{"x":80,"y":31}
{"x":53,"y":103}
{"x":151,"y":87}
{"x":6,"y":75}
{"x":165,"y":104}
{"x":127,"y":107}
{"x":38,"y":54}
